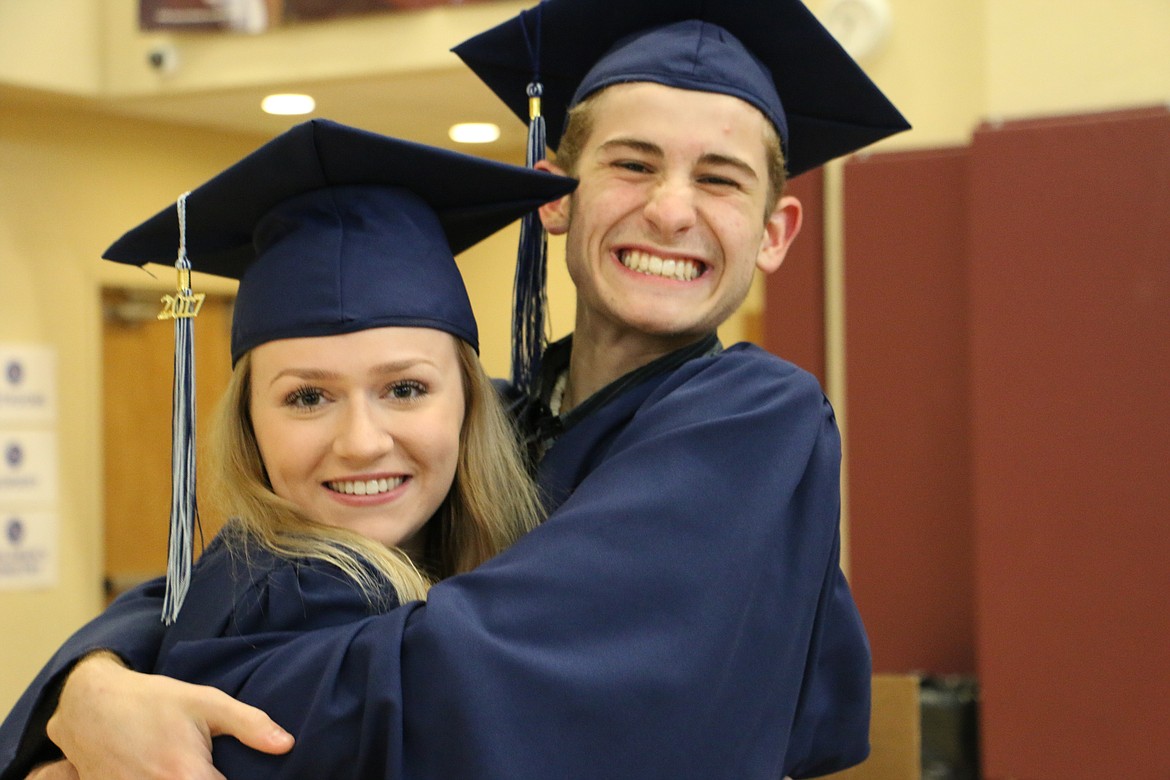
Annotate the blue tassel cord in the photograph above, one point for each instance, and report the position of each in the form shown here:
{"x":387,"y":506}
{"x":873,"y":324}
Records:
{"x":530,"y":296}
{"x":182,"y":307}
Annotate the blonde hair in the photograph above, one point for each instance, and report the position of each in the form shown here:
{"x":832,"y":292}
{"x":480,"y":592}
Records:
{"x":579,"y":126}
{"x":492,"y":502}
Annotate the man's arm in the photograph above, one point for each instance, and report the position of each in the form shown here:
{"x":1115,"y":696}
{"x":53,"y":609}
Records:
{"x":57,"y":770}
{"x":680,"y":615}
{"x":142,"y":705}
{"x":131,"y":627}
{"x":669,"y":620}
{"x":664,"y":622}
{"x":109,"y":718}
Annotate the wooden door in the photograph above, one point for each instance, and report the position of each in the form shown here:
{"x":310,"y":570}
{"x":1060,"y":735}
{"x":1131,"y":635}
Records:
{"x":137,"y":355}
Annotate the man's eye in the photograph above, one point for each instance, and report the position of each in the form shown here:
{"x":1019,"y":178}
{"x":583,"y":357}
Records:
{"x":633,"y":166}
{"x":719,"y":181}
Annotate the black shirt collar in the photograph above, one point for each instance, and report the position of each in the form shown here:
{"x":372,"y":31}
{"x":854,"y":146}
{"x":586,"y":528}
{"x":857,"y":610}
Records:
{"x":541,"y":427}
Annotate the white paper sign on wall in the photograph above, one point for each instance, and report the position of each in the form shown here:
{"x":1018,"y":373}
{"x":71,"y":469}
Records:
{"x":28,"y":549}
{"x":28,"y":384}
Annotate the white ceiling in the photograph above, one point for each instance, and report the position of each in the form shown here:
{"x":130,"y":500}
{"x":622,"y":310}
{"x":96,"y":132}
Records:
{"x":420,"y":106}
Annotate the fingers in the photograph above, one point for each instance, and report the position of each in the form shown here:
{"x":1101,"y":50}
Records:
{"x":223,"y":715}
{"x":58,"y":770}
{"x":116,"y":724}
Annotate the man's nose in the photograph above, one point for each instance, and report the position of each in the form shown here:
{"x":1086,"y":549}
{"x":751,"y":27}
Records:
{"x":671,"y":207}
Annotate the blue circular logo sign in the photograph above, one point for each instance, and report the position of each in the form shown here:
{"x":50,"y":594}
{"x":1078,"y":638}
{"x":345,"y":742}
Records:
{"x":15,"y":372}
{"x":14,"y":455}
{"x":15,"y":530}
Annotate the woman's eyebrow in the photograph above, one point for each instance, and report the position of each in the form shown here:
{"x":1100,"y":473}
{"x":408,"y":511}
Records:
{"x":324,"y":374}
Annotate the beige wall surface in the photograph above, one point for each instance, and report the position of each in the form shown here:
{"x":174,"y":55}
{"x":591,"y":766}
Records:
{"x":71,"y":179}
{"x":1058,"y":58}
{"x":931,"y":65}
{"x":69,"y":182}
{"x":52,"y":46}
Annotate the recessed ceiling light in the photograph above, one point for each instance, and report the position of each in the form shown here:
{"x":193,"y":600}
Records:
{"x":474,"y":132}
{"x":288,"y":104}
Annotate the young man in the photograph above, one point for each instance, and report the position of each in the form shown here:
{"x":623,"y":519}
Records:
{"x":682,"y":612}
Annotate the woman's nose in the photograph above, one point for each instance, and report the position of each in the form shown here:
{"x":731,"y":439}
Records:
{"x":362,"y":434}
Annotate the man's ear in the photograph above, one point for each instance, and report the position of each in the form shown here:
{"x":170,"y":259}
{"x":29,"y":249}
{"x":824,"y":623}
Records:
{"x":779,"y":231}
{"x":554,"y":215}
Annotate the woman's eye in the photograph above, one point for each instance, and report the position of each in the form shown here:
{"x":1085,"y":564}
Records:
{"x":407,"y":390}
{"x":305,"y":398}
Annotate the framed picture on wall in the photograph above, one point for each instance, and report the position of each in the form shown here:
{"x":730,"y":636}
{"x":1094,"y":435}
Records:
{"x":250,"y":16}
{"x":255,"y":16}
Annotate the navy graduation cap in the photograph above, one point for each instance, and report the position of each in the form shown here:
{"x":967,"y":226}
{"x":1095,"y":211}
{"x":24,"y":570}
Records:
{"x":774,"y":54}
{"x":329,"y":230}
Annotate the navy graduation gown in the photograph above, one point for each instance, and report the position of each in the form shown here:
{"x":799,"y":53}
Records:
{"x":681,"y":614}
{"x":239,"y":609}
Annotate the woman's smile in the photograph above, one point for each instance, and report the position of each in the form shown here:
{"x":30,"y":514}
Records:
{"x":361,"y":430}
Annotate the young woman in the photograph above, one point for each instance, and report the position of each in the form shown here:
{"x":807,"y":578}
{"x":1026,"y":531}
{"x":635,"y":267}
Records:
{"x":356,"y":469}
{"x":360,"y":450}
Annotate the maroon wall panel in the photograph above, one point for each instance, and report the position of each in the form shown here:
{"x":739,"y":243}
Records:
{"x":910,"y":519}
{"x":794,"y":296}
{"x":1070,"y":358}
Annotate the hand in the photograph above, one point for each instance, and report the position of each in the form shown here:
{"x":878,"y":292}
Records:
{"x":58,"y":770}
{"x":113,"y":723}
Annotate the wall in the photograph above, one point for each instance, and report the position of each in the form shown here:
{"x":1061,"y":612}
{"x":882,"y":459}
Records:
{"x":1069,"y":310}
{"x":51,"y":46}
{"x":1087,"y":56}
{"x":344,"y":48}
{"x":1062,"y":605}
{"x":68,"y":182}
{"x":911,"y":522}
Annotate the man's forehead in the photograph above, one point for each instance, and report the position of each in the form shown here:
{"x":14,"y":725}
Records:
{"x":666,"y":95}
{"x":649,"y":114}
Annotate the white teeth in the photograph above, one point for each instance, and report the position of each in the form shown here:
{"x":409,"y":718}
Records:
{"x":646,"y":263}
{"x":370,"y":487}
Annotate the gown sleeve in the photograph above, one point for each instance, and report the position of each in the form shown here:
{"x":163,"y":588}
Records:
{"x":241,"y":611}
{"x":681,"y":615}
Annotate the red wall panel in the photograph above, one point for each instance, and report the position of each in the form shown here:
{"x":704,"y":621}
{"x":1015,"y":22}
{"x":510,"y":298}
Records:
{"x":907,"y":398}
{"x":794,"y":296}
{"x":1070,"y":356}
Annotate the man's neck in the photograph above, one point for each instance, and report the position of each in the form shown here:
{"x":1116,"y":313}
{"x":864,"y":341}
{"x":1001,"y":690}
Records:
{"x":602,"y":355}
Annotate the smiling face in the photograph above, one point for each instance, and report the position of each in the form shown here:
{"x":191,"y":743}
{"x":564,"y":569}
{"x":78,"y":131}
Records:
{"x":671,"y":218}
{"x":361,"y":430}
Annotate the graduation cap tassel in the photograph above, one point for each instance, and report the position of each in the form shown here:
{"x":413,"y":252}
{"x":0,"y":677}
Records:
{"x":530,"y":297}
{"x":182,"y":308}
